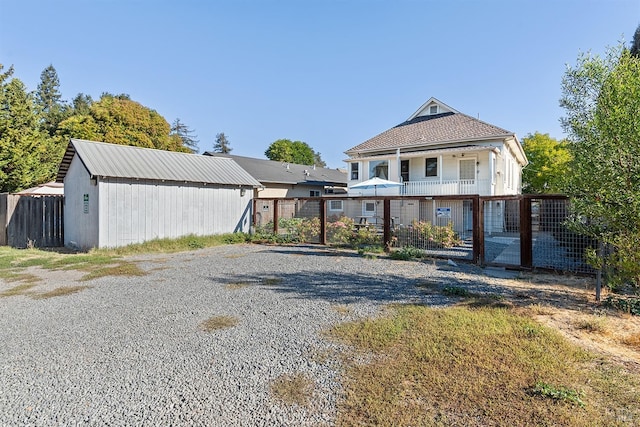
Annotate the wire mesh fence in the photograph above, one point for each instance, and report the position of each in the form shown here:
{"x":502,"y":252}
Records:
{"x":555,"y":246}
{"x":514,"y":231}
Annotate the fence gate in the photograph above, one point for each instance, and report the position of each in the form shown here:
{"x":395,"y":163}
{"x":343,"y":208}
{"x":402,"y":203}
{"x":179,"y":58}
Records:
{"x":34,"y":221}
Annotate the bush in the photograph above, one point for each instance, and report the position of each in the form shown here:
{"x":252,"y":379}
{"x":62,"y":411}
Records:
{"x":340,"y":231}
{"x":406,"y":253}
{"x":423,"y":234}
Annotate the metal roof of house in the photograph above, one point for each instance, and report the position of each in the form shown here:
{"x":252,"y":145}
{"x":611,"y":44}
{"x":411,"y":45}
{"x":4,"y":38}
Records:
{"x":425,"y":131}
{"x":272,"y":172}
{"x":124,"y":161}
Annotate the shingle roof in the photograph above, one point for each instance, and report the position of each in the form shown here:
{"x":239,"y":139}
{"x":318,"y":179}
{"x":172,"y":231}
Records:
{"x":123,"y":161}
{"x":269,"y":171}
{"x":432,"y":130}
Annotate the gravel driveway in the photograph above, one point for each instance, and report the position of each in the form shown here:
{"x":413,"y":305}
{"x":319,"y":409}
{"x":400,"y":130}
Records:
{"x":130,"y":350}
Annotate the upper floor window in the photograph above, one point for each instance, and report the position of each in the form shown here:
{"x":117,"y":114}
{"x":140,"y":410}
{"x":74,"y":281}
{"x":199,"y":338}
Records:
{"x":314,"y":193}
{"x":379,"y":168}
{"x":433,"y":109}
{"x":431,"y":166}
{"x":354,"y":171}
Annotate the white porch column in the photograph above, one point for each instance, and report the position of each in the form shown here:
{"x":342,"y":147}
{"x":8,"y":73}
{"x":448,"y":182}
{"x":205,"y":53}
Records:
{"x":398,"y":165}
{"x":440,"y":169}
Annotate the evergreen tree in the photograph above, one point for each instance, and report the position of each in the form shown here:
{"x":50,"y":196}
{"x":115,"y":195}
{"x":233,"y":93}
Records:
{"x":186,"y":135}
{"x":81,"y":104}
{"x":48,"y":100}
{"x":635,"y":44}
{"x":23,"y":147}
{"x":222,"y":144}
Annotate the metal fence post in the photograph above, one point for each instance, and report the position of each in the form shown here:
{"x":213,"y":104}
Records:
{"x":526,"y":238}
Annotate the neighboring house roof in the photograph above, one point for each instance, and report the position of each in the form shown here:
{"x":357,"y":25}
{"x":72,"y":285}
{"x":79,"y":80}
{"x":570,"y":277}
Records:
{"x":124,"y":161}
{"x":423,"y":130}
{"x":272,"y":172}
{"x":48,"y":189}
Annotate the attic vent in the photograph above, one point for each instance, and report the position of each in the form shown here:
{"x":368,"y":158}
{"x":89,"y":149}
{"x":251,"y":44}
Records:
{"x":433,"y":109}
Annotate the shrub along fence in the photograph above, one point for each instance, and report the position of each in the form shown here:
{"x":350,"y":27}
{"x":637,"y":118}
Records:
{"x":523,"y":231}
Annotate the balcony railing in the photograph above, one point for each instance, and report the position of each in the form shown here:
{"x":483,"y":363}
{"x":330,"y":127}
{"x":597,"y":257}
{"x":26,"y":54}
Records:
{"x":447,"y":188}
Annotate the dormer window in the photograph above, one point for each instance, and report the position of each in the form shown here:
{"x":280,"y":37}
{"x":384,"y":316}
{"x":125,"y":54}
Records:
{"x":433,"y":109}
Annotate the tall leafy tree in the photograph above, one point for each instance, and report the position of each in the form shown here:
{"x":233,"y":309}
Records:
{"x":119,"y":120}
{"x":285,"y":150}
{"x":222,"y":144}
{"x":548,"y":164}
{"x":24,"y":148}
{"x":187,"y":136}
{"x":601,"y":97}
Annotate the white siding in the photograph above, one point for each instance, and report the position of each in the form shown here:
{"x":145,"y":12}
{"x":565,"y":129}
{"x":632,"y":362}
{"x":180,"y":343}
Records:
{"x":134,"y":211}
{"x":80,"y":217}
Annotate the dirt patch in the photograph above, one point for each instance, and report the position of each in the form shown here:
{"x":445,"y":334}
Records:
{"x":568,"y":304}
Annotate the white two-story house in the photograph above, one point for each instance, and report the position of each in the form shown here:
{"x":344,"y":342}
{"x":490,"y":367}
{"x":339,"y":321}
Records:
{"x":440,"y":151}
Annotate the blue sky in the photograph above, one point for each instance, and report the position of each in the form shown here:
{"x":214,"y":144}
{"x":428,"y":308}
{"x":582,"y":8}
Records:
{"x":332,"y":73}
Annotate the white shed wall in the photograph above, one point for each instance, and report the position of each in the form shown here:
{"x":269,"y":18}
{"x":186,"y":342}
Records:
{"x":134,"y":211}
{"x":80,"y":216}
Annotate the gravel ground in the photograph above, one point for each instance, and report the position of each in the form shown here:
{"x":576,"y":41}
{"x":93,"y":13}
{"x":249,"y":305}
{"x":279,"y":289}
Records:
{"x":130,"y":350}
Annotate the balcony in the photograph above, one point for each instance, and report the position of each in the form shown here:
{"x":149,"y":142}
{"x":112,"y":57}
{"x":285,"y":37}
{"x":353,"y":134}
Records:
{"x":448,"y":187}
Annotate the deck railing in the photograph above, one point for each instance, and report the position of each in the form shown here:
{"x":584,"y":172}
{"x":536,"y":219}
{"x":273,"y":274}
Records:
{"x":448,"y":187}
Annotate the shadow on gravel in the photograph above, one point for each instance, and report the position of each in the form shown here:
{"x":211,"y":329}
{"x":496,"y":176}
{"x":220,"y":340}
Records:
{"x":342,"y":288}
{"x":312,"y":250}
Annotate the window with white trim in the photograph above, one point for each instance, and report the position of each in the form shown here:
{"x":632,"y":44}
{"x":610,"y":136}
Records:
{"x":379,"y":168}
{"x":354,"y":171}
{"x":431,"y":166}
{"x":433,"y":109}
{"x":335,"y":205}
{"x":314,"y":193}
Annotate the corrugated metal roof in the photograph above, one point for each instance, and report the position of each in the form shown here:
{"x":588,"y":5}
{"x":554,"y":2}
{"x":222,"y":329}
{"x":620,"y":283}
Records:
{"x":123,"y":161}
{"x":269,"y":171}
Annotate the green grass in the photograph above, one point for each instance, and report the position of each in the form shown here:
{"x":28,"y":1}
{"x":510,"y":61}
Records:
{"x":476,"y":366}
{"x":101,"y":262}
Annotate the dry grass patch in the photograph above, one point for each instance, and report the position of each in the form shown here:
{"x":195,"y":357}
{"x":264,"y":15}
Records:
{"x":295,"y":389}
{"x":593,"y":324}
{"x":632,"y":341}
{"x":541,"y":309}
{"x":235,"y":286}
{"x":58,"y":292}
{"x":24,"y":289}
{"x":342,"y":309}
{"x":120,"y":269}
{"x":218,"y":322}
{"x":272,"y":281}
{"x":476,"y":366}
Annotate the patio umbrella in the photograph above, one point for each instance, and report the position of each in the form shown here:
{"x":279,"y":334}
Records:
{"x":375,"y":183}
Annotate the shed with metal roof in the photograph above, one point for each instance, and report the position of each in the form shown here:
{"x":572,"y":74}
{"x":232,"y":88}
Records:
{"x":116,"y":195}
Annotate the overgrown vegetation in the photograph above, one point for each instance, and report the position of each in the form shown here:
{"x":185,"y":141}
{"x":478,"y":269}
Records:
{"x":483,"y":366}
{"x":600,"y":98}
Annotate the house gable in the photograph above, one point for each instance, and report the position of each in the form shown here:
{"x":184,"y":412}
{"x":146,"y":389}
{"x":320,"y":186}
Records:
{"x":430,"y":108}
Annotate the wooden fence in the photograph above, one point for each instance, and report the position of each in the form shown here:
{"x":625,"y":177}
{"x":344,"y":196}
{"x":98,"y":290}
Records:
{"x":31,"y":221}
